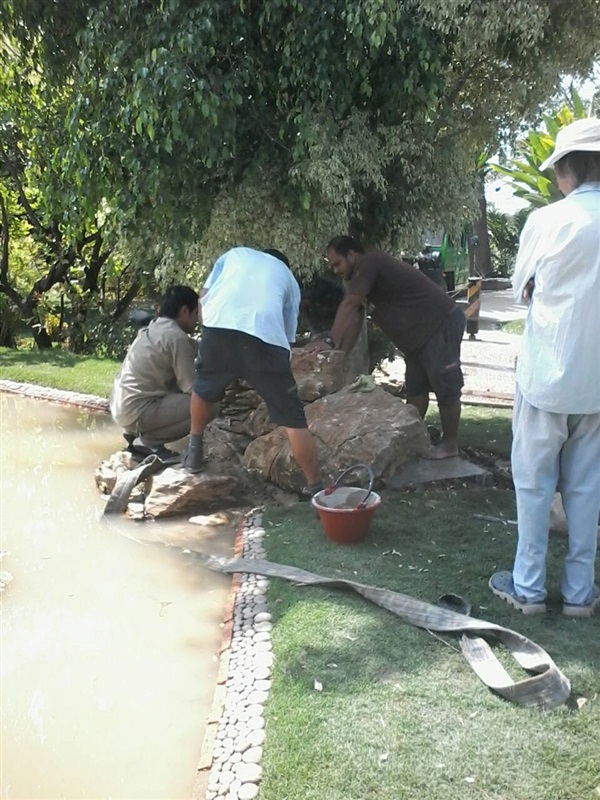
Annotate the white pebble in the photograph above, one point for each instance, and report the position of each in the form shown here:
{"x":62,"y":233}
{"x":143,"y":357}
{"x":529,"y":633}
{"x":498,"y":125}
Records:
{"x":255,"y":738}
{"x":226,"y":779}
{"x":253,"y":755}
{"x":242,"y":744}
{"x":262,"y":673}
{"x":248,"y":791}
{"x":257,"y":697}
{"x":248,"y":773}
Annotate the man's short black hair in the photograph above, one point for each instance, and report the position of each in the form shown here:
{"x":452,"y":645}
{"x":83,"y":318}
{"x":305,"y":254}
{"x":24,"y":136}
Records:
{"x":277,"y":254}
{"x":175,"y":298}
{"x":343,"y":245}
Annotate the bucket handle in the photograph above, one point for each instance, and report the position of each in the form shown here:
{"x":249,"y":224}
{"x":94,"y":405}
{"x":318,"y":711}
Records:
{"x":371,"y":475}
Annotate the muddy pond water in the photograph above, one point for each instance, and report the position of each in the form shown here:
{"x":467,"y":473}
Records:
{"x":108,"y":648}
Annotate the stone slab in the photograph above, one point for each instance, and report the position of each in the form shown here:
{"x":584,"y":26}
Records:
{"x":423,"y":471}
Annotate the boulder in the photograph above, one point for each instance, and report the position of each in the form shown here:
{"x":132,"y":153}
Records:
{"x":223,"y":483}
{"x":351,"y":426}
{"x":257,"y":423}
{"x":320,"y":374}
{"x":558,"y":518}
{"x":106,"y":474}
{"x":176,"y":492}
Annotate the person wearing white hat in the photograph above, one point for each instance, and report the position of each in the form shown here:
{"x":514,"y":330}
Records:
{"x":556,"y":419}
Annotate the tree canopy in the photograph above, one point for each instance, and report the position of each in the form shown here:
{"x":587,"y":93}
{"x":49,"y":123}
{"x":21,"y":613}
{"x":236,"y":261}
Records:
{"x":172,"y":123}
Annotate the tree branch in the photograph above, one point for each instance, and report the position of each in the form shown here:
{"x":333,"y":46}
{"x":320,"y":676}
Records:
{"x":23,"y":200}
{"x":126,"y":300}
{"x":4,"y":257}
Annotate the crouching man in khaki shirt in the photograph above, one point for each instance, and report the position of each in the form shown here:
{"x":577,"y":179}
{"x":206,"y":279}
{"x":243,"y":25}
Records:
{"x":150,"y":399}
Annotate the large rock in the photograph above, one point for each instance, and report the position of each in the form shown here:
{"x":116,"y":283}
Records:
{"x":350,"y":427}
{"x":320,"y":374}
{"x":174,"y":492}
{"x":223,"y":483}
{"x":558,"y":518}
{"x":258,"y":423}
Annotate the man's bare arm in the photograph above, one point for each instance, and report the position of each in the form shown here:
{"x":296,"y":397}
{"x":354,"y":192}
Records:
{"x":348,"y":322}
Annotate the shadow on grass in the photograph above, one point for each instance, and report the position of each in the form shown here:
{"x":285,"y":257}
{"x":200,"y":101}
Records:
{"x":423,"y":545}
{"x":56,"y":356}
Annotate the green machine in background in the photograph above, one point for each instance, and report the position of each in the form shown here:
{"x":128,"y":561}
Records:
{"x":445,"y":260}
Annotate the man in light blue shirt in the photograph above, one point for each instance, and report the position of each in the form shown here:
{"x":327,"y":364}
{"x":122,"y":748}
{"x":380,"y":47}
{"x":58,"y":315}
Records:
{"x":249,"y":306}
{"x":556,"y":420}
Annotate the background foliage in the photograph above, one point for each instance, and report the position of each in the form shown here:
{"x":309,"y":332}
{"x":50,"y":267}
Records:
{"x":538,"y":187}
{"x":140,"y":138}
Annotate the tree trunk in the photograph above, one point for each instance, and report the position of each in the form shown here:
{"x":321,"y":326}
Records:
{"x":41,"y":336}
{"x":481,"y":263}
{"x":79,"y":310}
{"x":124,"y":302}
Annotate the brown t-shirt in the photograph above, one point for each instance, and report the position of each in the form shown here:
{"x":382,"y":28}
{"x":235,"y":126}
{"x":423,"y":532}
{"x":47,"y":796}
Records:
{"x":407,"y":305}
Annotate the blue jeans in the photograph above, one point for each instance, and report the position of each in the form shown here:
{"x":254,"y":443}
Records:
{"x":553,"y":452}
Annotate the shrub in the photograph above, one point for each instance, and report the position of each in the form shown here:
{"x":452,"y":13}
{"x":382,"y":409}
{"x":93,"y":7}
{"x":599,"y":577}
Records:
{"x":107,"y":338}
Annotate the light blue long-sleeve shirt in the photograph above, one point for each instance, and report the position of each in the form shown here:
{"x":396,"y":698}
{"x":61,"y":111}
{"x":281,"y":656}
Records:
{"x":253,"y":292}
{"x":559,"y":368}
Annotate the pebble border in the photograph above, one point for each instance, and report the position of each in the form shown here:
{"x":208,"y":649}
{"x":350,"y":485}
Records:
{"x":230,"y":767}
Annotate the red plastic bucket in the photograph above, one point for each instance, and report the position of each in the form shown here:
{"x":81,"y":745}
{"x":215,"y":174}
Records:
{"x":345,"y":513}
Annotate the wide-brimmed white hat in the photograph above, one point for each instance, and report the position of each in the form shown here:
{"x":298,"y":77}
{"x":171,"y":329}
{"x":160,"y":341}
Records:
{"x":583,"y":134}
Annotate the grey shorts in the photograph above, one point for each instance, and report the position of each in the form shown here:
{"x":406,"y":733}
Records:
{"x":436,"y":366}
{"x":226,"y":355}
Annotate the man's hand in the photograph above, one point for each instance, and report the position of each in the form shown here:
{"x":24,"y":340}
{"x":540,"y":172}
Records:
{"x":316,"y":347}
{"x":528,"y":291}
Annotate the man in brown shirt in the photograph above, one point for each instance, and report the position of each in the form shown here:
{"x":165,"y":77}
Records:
{"x":418,"y":317}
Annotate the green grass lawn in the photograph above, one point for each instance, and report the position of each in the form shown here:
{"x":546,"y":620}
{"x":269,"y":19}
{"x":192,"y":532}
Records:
{"x":483,"y":428}
{"x":514,"y":326}
{"x":58,"y":369}
{"x":401,"y":715}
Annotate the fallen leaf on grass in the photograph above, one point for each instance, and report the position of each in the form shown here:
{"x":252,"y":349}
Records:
{"x":318,"y":686}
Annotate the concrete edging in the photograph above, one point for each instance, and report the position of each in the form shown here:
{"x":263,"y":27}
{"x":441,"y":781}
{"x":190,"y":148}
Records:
{"x":36,"y":392}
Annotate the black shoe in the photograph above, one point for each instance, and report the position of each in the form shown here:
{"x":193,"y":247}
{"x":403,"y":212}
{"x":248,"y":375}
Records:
{"x":140,"y":450}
